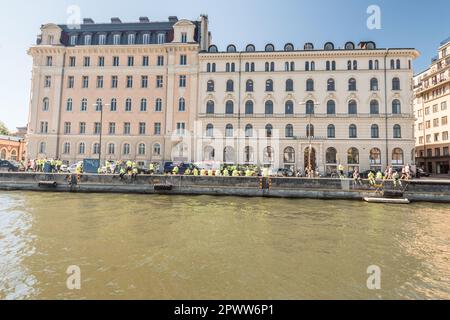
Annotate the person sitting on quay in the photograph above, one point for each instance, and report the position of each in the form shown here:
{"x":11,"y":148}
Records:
{"x":195,"y":172}
{"x":187,"y":172}
{"x":371,"y":178}
{"x":218,"y":173}
{"x":176,"y":170}
{"x":379,"y":176}
{"x":357,"y":177}
{"x":396,"y":179}
{"x":226,"y":173}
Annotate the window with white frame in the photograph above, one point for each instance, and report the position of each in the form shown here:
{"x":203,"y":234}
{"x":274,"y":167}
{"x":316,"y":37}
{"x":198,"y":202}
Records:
{"x":161,"y":38}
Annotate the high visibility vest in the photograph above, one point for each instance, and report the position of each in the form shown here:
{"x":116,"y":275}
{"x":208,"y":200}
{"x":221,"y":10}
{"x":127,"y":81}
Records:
{"x":226,"y":173}
{"x":195,"y":172}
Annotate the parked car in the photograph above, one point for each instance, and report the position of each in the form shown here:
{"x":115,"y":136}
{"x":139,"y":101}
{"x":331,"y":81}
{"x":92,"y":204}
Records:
{"x":169,"y":166}
{"x":421,"y":173}
{"x":73,"y":167}
{"x":8,"y":166}
{"x":282,"y":172}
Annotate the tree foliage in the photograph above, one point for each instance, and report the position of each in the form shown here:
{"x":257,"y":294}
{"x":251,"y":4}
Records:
{"x":3,"y":129}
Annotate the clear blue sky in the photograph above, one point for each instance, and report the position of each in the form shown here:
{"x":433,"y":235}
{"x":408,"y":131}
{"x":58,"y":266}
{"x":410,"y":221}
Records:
{"x":418,"y":24}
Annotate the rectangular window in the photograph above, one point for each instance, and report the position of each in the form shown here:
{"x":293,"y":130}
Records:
{"x":102,"y":39}
{"x":159,"y":81}
{"x":444,"y":121}
{"x":436,"y":137}
{"x":116,"y":39}
{"x":183,"y":60}
{"x":82,"y":127}
{"x":48,"y":82}
{"x":73,"y":40}
{"x":182,"y":81}
{"x":130,"y":61}
{"x":184,"y":37}
{"x":85,"y":82}
{"x":114,"y":82}
{"x":160,"y":61}
{"x":129,"y":82}
{"x":44,"y":127}
{"x":100,"y":82}
{"x":49,"y":61}
{"x":437,"y":152}
{"x":445,"y":153}
{"x":444,"y":106}
{"x":97,"y":128}
{"x":145,"y":61}
{"x":427,"y":111}
{"x":67,"y":127}
{"x":112,"y":128}
{"x":445,"y":136}
{"x":435,"y":108}
{"x":181,"y":128}
{"x":116,"y":61}
{"x":101,"y":61}
{"x":87,"y":61}
{"x":435,"y":123}
{"x":70,"y":82}
{"x":126,"y":128}
{"x":142,"y":128}
{"x":428,"y":124}
{"x":144,"y":82}
{"x":72,"y":61}
{"x":157,"y":129}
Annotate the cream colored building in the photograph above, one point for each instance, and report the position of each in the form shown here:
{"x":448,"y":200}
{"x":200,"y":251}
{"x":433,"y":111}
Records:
{"x":116,"y":90}
{"x":431,"y":106}
{"x":256,"y":106}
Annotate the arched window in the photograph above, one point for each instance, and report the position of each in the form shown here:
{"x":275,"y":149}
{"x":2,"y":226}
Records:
{"x":248,"y":131}
{"x":210,"y":130}
{"x":289,"y":85}
{"x":310,"y":85}
{"x":229,"y":131}
{"x":69,"y":105}
{"x":349,"y":46}
{"x":353,"y":132}
{"x":396,"y":84}
{"x":331,"y":131}
{"x":269,"y":107}
{"x":210,"y":86}
{"x":331,"y":156}
{"x":157,"y":150}
{"x":374,"y":84}
{"x":233,"y":67}
{"x":14,"y":155}
{"x":310,"y":107}
{"x":392,"y":64}
{"x":289,"y":131}
{"x":329,"y":46}
{"x":396,"y":107}
{"x":96,"y":148}
{"x":307,"y":66}
{"x":128,"y":104}
{"x":158,"y":105}
{"x":267,"y":67}
{"x":210,"y":107}
{"x":292,"y":66}
{"x":268,"y":156}
{"x":355,"y":65}
{"x":229,"y":107}
{"x":229,"y":155}
{"x":397,"y":131}
{"x":213,"y":49}
{"x":141,"y":149}
{"x":330,"y":85}
{"x":328,"y":66}
{"x":230,"y":86}
{"x":352,"y":107}
{"x":353,"y":156}
{"x":289,"y":107}
{"x":331,"y":107}
{"x":398,"y":64}
{"x":370,"y":64}
{"x":374,"y":107}
{"x":182,"y":105}
{"x":269,"y":131}
{"x":352,"y":84}
{"x":227,"y":67}
{"x":397,"y":156}
{"x":249,"y":86}
{"x":213,"y":67}
{"x":310,"y":130}
{"x":209,"y":154}
{"x":349,"y":65}
{"x":289,"y":155}
{"x":143,"y":105}
{"x":3,"y":154}
{"x":231,"y":48}
{"x":313,"y":66}
{"x":113,"y":106}
{"x":208,"y":67}
{"x":111,"y":148}
{"x":269,"y":85}
{"x":248,"y":154}
{"x":375,"y":131}
{"x":66,"y":148}
{"x":82,"y":148}
{"x":333,"y":65}
{"x":45,"y":104}
{"x":377,"y":65}
{"x":375,"y":157}
{"x":249,"y":107}
{"x":289,"y":47}
{"x":270,"y":48}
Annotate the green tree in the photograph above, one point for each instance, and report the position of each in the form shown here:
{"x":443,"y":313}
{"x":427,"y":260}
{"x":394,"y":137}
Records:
{"x":3,"y":129}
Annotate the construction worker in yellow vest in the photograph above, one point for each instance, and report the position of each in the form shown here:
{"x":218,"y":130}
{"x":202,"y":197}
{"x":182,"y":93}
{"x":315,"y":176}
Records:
{"x":248,"y":173}
{"x":195,"y":172}
{"x":187,"y":172}
{"x":371,"y":178}
{"x":210,"y":173}
{"x":203,"y":172}
{"x":379,"y":175}
{"x":217,"y":173}
{"x":226,"y":173}
{"x":176,"y":170}
{"x":341,"y":171}
{"x":235,"y":173}
{"x":266,"y":172}
{"x":152,"y":168}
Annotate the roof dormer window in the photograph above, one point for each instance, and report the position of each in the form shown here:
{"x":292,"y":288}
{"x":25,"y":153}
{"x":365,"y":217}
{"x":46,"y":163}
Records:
{"x":250,"y":48}
{"x":213,"y":49}
{"x":116,"y":39}
{"x":146,"y":38}
{"x":161,"y":38}
{"x":329,"y":46}
{"x":131,"y":39}
{"x":309,"y":46}
{"x":102,"y":39}
{"x":87,"y":40}
{"x":73,"y":40}
{"x":270,"y":48}
{"x":184,"y":37}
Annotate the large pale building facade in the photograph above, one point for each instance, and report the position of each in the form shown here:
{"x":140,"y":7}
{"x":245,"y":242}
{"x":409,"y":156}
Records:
{"x":431,"y":106}
{"x":155,"y":92}
{"x":115,"y":91}
{"x":294,"y":108}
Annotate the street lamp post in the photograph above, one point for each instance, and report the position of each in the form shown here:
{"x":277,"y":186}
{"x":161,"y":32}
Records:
{"x":100,"y":106}
{"x":309,"y":133}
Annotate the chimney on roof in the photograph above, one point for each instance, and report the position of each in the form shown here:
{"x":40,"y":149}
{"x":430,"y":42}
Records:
{"x":173,"y":19}
{"x":88,"y":21}
{"x":116,"y":20}
{"x":144,"y":20}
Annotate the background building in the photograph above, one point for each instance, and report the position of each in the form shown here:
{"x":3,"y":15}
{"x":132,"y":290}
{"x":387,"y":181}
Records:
{"x":352,"y":105}
{"x":116,"y":90}
{"x":431,"y":106}
{"x":12,"y":148}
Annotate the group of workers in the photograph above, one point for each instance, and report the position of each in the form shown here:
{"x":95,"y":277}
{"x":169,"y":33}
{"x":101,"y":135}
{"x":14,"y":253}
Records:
{"x":44,"y":165}
{"x":226,"y":171}
{"x":389,"y":175}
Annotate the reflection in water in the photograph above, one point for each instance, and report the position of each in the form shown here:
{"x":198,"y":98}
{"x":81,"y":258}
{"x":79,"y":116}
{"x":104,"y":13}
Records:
{"x":162,"y":247}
